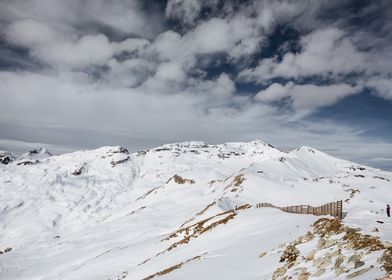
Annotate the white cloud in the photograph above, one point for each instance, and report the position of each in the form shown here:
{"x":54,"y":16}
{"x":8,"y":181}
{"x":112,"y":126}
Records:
{"x":126,"y":16}
{"x":30,"y":33}
{"x":239,"y":36}
{"x":53,"y":48}
{"x":130,"y":45}
{"x":128,"y":73}
{"x":76,"y":34}
{"x":209,"y":37}
{"x":219,"y":89}
{"x":185,"y":10}
{"x":77,"y":54}
{"x":382,"y":85}
{"x":224,"y":86}
{"x":79,"y":17}
{"x":66,"y":109}
{"x":167,"y":45}
{"x":307,"y":97}
{"x":326,"y":52}
{"x":170,"y":71}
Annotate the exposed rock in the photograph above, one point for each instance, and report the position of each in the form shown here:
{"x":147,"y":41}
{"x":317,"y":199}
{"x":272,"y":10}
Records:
{"x":279,"y":273}
{"x":354,"y":258}
{"x":6,"y":250}
{"x":386,"y":260}
{"x":5,"y":158}
{"x":326,"y":243}
{"x":290,"y":255}
{"x":324,"y":262}
{"x":325,"y":226}
{"x":304,"y":238}
{"x":172,"y":268}
{"x":340,"y":270}
{"x":310,"y":256}
{"x":357,"y":241}
{"x":179,"y":180}
{"x":330,"y":243}
{"x":319,"y":272}
{"x":301,"y":269}
{"x":333,"y":238}
{"x":117,"y":162}
{"x":27,"y":162}
{"x":388,"y":245}
{"x":359,"y":264}
{"x":335,"y":253}
{"x":141,"y":153}
{"x":321,"y":244}
{"x":238,"y":180}
{"x":339,"y":260}
{"x":262,"y":254}
{"x":79,"y":170}
{"x":358,"y":273}
{"x":121,"y":150}
{"x":303,"y":275}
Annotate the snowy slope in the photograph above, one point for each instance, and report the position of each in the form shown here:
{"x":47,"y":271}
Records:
{"x":186,"y":211}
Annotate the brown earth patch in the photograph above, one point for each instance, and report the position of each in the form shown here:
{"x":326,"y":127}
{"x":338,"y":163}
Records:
{"x":172,"y":268}
{"x":179,"y":180}
{"x":195,"y":230}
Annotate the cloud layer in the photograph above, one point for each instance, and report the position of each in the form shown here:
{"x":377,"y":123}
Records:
{"x":141,"y":74}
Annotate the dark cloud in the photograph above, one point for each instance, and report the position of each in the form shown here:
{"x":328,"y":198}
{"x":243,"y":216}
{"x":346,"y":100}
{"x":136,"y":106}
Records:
{"x":12,"y":58}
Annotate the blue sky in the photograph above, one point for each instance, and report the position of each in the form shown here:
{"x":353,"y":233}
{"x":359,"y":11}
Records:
{"x":82,"y":74}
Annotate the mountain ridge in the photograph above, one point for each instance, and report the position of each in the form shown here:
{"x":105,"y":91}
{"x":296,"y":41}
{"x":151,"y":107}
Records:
{"x":136,"y":214}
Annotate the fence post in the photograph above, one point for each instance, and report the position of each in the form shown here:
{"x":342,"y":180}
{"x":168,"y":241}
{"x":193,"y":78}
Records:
{"x":340,"y":209}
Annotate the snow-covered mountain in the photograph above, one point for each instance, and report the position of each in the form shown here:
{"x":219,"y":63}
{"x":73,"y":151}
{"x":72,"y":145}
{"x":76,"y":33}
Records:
{"x":187,"y":211}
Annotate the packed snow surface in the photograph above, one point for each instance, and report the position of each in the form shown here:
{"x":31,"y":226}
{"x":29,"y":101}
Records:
{"x":179,"y":211}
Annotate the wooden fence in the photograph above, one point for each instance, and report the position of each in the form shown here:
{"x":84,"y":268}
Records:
{"x":334,"y":209}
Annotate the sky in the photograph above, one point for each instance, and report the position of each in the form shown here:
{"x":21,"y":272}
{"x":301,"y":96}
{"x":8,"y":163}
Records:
{"x":84,"y":74}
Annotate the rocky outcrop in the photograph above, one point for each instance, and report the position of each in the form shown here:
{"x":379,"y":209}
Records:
{"x":333,"y":248}
{"x":180,"y":180}
{"x":6,"y":250}
{"x":290,"y":255}
{"x":6,"y":158}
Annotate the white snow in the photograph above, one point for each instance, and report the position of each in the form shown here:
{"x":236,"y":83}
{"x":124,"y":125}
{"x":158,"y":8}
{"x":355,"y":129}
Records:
{"x":105,"y":213}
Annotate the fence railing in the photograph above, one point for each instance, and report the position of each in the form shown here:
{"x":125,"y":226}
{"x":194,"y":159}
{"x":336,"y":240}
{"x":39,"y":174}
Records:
{"x":334,"y":209}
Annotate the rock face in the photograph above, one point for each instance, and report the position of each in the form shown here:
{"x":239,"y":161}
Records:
{"x":359,"y":264}
{"x":6,"y":158}
{"x":310,"y":255}
{"x":358,"y":273}
{"x":339,"y":260}
{"x":290,"y":255}
{"x":303,"y":276}
{"x":279,"y":273}
{"x":6,"y":250}
{"x":324,"y":250}
{"x":319,"y":272}
{"x":386,"y":260}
